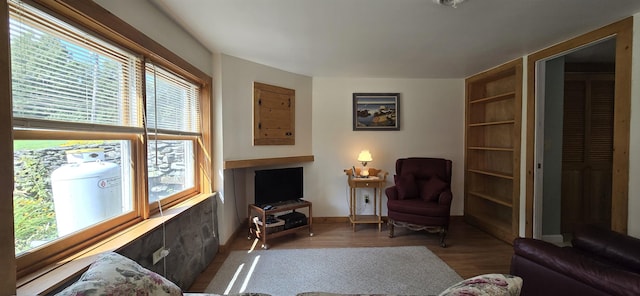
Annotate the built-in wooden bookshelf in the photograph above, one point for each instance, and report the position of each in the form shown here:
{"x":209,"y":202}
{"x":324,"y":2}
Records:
{"x":492,"y":150}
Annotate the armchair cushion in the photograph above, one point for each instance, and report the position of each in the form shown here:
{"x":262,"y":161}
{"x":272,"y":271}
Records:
{"x":406,"y":186}
{"x":418,"y":207}
{"x":430,"y":190}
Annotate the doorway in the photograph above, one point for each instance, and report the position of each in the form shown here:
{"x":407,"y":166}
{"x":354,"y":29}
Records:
{"x":535,"y":205}
{"x":575,"y":140}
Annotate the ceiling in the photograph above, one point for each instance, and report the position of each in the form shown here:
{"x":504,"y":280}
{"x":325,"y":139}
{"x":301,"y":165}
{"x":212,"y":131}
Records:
{"x":388,"y":38}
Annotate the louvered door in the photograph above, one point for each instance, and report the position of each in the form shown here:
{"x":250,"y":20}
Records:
{"x":587,"y":150}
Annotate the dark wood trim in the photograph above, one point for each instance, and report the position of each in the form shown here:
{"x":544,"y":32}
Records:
{"x":622,"y":128}
{"x":623,"y":31}
{"x":7,"y":249}
{"x":205,"y":152}
{"x":334,"y":220}
{"x":240,"y":232}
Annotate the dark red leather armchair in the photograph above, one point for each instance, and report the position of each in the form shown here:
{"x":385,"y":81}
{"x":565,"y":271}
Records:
{"x":421,"y":197}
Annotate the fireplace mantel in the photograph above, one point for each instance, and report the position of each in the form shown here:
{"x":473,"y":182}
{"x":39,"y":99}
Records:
{"x":258,"y":162}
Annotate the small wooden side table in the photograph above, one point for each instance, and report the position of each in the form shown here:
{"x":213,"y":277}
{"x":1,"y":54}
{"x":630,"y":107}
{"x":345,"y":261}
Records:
{"x":260,"y":232}
{"x":377,"y":180}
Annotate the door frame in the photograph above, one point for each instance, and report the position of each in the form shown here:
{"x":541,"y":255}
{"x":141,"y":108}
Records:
{"x":623,"y":32}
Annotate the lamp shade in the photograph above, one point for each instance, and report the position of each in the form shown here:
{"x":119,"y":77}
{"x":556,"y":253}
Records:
{"x":365,"y":155}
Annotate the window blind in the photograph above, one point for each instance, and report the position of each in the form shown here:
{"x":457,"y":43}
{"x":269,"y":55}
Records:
{"x":67,"y":77}
{"x":172,"y":102}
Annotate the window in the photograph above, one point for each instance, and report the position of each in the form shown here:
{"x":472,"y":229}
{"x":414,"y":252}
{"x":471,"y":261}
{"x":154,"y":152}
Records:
{"x":62,"y":187}
{"x":99,"y":134}
{"x":173,"y":126}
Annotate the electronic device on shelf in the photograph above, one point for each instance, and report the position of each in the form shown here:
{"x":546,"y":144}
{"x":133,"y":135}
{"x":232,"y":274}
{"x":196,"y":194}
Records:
{"x":293,"y":219}
{"x":272,"y":224}
{"x":271,"y":221}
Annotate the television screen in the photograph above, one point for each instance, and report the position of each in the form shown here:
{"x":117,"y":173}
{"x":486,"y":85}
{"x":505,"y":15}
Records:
{"x":277,"y":185}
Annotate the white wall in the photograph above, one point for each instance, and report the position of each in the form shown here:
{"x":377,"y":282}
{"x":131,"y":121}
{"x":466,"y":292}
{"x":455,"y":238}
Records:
{"x":431,"y":125}
{"x":234,"y":138}
{"x":552,"y":151}
{"x":151,"y":21}
{"x":237,"y":77}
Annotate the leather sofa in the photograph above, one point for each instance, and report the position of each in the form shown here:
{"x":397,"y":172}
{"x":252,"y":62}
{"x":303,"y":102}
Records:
{"x":599,"y":262}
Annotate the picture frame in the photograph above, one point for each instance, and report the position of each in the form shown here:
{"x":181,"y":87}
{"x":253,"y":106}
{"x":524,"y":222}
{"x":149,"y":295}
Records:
{"x":376,"y":111}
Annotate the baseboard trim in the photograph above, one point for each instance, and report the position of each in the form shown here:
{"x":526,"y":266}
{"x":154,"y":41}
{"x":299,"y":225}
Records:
{"x":243,"y":227}
{"x":328,"y":220}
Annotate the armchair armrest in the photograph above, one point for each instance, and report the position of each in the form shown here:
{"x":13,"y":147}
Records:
{"x":621,"y":249}
{"x":392,"y":192}
{"x":445,"y":197}
{"x":575,"y":265}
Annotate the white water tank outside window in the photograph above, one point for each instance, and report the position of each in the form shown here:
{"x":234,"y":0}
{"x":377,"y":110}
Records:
{"x":86,"y":191}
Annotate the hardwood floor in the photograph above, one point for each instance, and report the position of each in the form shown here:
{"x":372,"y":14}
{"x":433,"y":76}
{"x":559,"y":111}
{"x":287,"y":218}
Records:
{"x":469,"y":250}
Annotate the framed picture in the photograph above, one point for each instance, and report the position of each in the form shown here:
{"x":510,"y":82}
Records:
{"x":376,"y":111}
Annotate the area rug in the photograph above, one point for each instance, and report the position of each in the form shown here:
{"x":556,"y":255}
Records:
{"x":392,"y":270}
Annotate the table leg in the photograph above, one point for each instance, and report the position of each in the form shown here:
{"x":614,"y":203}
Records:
{"x":375,"y":201}
{"x":310,"y":220}
{"x":264,"y":230}
{"x":380,"y":211}
{"x":353,"y":209}
{"x":250,"y":222}
{"x":377,"y":210}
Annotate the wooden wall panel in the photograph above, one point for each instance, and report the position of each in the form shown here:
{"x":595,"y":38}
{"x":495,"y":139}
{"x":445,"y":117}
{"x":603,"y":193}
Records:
{"x":273,"y":115}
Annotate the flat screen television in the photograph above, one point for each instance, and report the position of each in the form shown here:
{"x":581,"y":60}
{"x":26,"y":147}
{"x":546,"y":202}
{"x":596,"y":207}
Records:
{"x":273,"y":186}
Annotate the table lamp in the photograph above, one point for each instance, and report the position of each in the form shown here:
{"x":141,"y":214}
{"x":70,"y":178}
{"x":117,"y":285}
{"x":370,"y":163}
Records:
{"x":364,"y":157}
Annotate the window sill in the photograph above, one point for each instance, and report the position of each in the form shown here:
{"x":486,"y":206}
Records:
{"x":51,"y":277}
